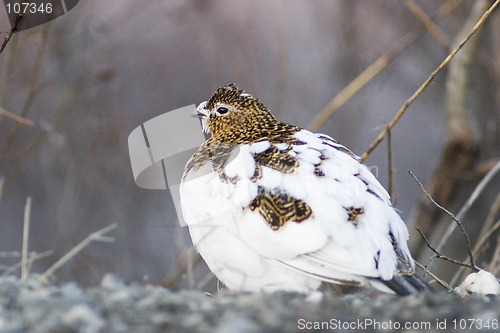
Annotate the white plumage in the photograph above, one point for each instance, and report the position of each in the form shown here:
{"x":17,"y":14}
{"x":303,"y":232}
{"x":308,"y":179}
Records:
{"x":481,"y":282}
{"x":352,"y":235}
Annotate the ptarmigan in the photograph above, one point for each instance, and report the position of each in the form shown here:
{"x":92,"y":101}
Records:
{"x":271,"y":206}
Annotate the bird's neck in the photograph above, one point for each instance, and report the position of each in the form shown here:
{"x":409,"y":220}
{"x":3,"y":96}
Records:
{"x":274,"y":132}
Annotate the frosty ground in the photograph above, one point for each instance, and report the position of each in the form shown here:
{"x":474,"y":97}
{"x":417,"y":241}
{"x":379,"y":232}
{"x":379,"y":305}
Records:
{"x":114,"y":306}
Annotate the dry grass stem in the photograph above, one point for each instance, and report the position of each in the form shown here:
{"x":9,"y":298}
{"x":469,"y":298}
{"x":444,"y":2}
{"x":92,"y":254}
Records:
{"x":427,"y":22}
{"x":475,"y":194}
{"x":482,"y":242}
{"x":360,"y":81}
{"x":494,"y":266}
{"x":10,"y":254}
{"x":2,"y":183}
{"x":389,"y":166}
{"x":371,"y":71}
{"x":186,"y":260}
{"x":438,"y":280}
{"x":26,"y":233}
{"x":431,"y":77}
{"x":206,"y":280}
{"x":488,"y":225}
{"x":97,"y":236}
{"x":457,"y":221}
{"x":16,"y":118}
{"x":32,"y":258}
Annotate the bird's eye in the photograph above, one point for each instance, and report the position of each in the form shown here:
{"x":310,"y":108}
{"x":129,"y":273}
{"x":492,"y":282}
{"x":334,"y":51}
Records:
{"x":222,"y":110}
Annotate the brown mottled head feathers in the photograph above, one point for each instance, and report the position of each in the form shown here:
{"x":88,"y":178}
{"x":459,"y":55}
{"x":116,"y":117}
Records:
{"x":237,"y":117}
{"x":232,"y":96}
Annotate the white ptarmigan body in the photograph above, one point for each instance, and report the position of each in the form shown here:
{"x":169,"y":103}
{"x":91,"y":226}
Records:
{"x":481,"y":282}
{"x":287,"y":211}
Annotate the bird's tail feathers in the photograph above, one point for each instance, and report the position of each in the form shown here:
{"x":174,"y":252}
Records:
{"x":404,"y":285}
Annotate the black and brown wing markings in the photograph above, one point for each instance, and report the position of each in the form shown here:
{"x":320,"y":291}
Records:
{"x":277,"y":160}
{"x":403,"y":265}
{"x":278,"y":208}
{"x":353,"y":214}
{"x":218,"y":153}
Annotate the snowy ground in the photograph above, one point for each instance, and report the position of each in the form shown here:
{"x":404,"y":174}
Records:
{"x":32,"y":306}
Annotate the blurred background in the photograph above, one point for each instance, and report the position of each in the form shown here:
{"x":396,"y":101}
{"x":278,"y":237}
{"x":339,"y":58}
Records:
{"x":91,"y":76}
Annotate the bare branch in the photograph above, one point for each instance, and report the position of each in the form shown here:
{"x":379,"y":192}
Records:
{"x":440,"y":256}
{"x":360,"y":81}
{"x":475,"y":194}
{"x":457,"y":221}
{"x":26,"y":232}
{"x":479,"y":247}
{"x":431,"y":77}
{"x":371,"y":71}
{"x":438,"y":280}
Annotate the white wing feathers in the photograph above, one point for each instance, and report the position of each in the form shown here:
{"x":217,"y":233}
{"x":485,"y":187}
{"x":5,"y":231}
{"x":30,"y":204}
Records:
{"x":245,"y":253}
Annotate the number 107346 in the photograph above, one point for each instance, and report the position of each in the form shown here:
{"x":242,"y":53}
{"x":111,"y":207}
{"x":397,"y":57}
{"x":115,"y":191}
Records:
{"x":28,"y":8}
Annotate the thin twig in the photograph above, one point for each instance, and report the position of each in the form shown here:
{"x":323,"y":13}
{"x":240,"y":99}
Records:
{"x":475,"y":194}
{"x":32,"y":258}
{"x":26,"y":233}
{"x":478,"y":248}
{"x":389,"y":166}
{"x":95,"y":236}
{"x":16,"y":118}
{"x":431,"y":77}
{"x":371,"y":71}
{"x":427,"y":22}
{"x":457,"y":221}
{"x":360,"y":81}
{"x":438,"y":280}
{"x":440,"y":256}
{"x":486,"y":236}
{"x":488,"y":222}
{"x":205,"y":280}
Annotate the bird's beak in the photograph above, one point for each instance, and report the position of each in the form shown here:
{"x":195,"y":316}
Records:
{"x":201,"y":112}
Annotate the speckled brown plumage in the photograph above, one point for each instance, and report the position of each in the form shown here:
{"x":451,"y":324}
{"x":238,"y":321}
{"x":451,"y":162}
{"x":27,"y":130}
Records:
{"x":277,"y":207}
{"x":254,"y":125}
{"x":277,"y":160}
{"x":353,"y":213}
{"x":218,"y":153}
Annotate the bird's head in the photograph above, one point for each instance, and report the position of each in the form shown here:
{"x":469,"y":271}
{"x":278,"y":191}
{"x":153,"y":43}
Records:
{"x":231,"y":115}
